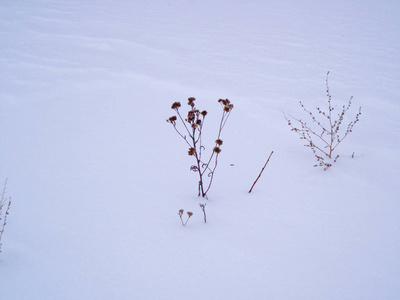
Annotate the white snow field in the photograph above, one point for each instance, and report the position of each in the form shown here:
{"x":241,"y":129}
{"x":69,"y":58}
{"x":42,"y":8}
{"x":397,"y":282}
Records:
{"x":97,"y":175}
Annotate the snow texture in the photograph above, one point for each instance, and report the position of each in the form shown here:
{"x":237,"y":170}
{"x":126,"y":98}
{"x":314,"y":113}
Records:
{"x":97,"y":176}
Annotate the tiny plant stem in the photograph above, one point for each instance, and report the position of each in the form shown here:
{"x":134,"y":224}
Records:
{"x":196,"y":154}
{"x":259,"y":175}
{"x":183,"y":122}
{"x":330,"y":117}
{"x":3,"y":202}
{"x":203,"y":208}
{"x":186,"y":221}
{"x":180,"y":216}
{"x":201,"y":189}
{"x":5,"y":219}
{"x":212,"y":174}
{"x":181,"y":135}
{"x":189,"y":215}
{"x":307,"y":129}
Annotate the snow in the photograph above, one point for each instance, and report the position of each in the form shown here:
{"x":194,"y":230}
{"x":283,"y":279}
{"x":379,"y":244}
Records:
{"x":97,"y":176}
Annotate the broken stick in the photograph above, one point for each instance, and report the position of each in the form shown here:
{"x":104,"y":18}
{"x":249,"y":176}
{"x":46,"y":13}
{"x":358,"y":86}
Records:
{"x":259,"y":175}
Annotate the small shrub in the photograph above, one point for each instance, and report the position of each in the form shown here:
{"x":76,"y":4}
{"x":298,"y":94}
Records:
{"x":327,"y":136}
{"x":192,"y":134}
{"x":5,"y":204}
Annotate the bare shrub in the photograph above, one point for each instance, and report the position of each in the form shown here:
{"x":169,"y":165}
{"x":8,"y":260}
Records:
{"x":325,"y":136}
{"x":192,"y":134}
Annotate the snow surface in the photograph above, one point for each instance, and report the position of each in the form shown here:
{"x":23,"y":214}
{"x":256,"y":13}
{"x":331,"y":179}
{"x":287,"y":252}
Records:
{"x":97,"y":176}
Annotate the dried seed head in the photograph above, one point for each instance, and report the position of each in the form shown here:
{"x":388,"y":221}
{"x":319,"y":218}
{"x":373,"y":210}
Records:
{"x":219,"y":142}
{"x":192,"y":151}
{"x":191,"y":116}
{"x":176,"y":105}
{"x":217,"y":150}
{"x":198,"y":122}
{"x":204,"y":113}
{"x":172,"y":119}
{"x":191,"y":100}
{"x":228,"y":107}
{"x":189,"y":213}
{"x":224,"y":101}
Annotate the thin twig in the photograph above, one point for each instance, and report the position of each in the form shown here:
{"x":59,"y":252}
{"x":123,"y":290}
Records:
{"x":203,"y":208}
{"x":259,"y":175}
{"x":4,"y":202}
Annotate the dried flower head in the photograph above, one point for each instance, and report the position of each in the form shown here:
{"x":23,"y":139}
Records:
{"x":191,"y":100}
{"x":176,"y":105}
{"x":228,"y":107}
{"x":191,"y":116}
{"x":189,"y":213}
{"x":192,"y":151}
{"x":224,"y":101}
{"x":219,"y":142}
{"x":217,"y":150}
{"x":204,"y":113}
{"x":172,"y":119}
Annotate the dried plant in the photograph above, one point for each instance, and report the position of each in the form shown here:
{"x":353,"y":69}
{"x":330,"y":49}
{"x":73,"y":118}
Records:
{"x":180,"y":214}
{"x":203,"y":208}
{"x":192,"y":134}
{"x":5,"y":204}
{"x":327,"y":136}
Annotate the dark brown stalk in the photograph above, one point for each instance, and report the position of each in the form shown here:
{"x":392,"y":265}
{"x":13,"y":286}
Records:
{"x":259,"y":175}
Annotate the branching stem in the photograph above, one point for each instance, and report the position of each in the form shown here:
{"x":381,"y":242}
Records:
{"x":193,"y":125}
